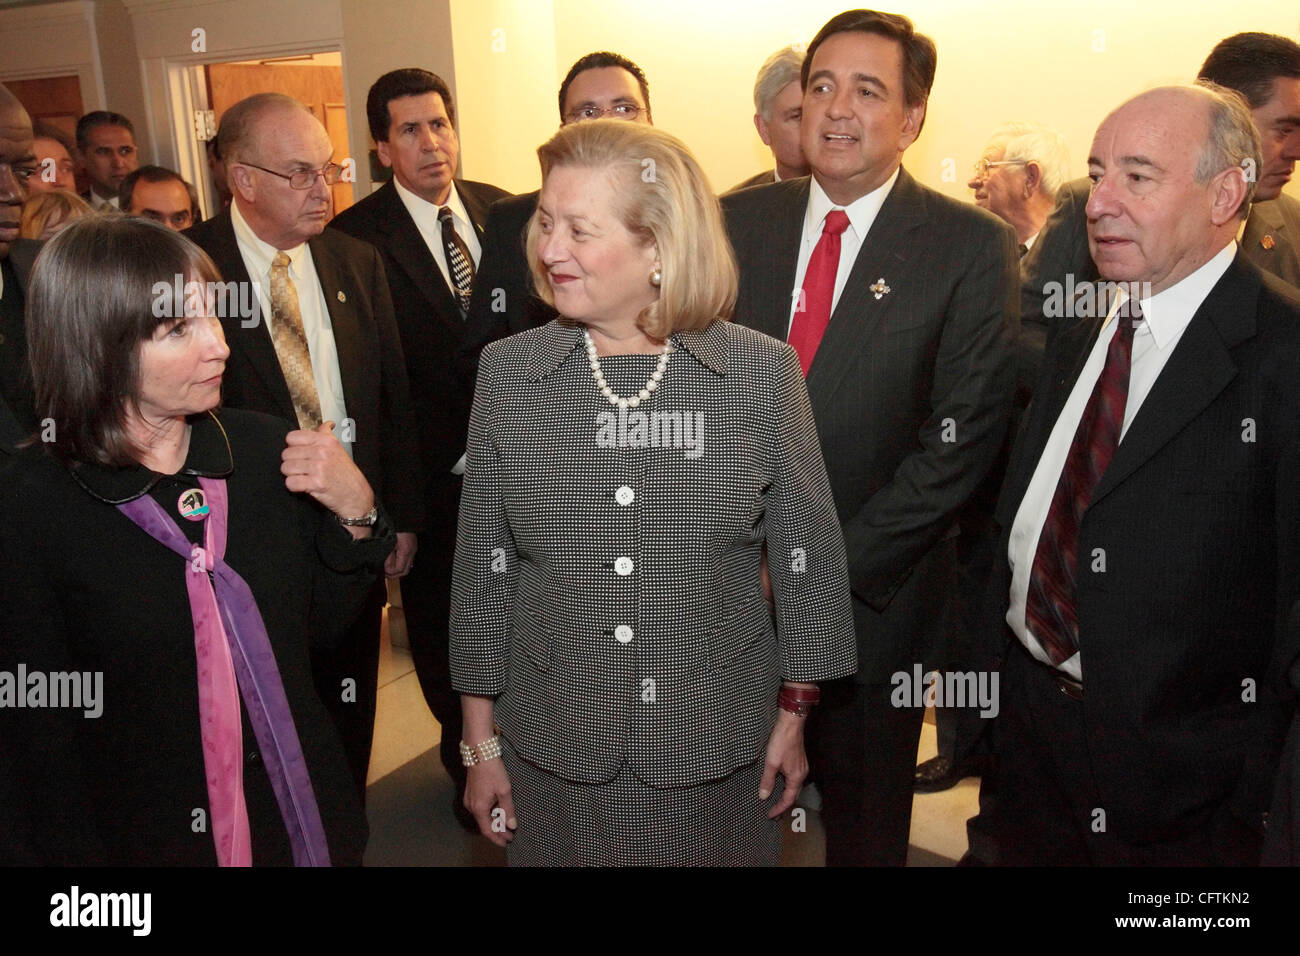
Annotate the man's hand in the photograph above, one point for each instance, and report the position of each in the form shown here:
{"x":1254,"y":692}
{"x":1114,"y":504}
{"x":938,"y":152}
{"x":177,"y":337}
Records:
{"x":398,"y":564}
{"x":314,"y":463}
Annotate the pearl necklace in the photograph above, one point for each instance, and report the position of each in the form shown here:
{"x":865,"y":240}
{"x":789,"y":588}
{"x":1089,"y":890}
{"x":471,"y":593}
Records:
{"x":642,"y":396}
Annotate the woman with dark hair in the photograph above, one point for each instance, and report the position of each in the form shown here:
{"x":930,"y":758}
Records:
{"x":162,"y":568}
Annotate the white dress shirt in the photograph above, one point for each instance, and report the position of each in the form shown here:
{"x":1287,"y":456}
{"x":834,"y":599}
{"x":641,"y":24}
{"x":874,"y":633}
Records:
{"x":99,"y":205}
{"x":258,"y":256}
{"x":861,"y":212}
{"x":1165,"y":317}
{"x":425,"y":215}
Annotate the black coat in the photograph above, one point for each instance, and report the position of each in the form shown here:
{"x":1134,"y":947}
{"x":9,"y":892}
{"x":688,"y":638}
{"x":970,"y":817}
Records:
{"x":82,"y":588}
{"x":22,"y":255}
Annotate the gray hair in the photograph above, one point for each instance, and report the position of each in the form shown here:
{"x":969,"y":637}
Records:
{"x":1032,"y":143}
{"x":235,"y":137}
{"x":777,"y":72}
{"x":1233,"y":140}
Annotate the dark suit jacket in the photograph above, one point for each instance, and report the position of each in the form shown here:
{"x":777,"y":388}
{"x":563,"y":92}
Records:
{"x":503,"y":302}
{"x":1061,"y":249}
{"x":1279,"y":221}
{"x":758,"y":179}
{"x":370,"y":361}
{"x":1199,"y":523}
{"x":911,"y":390}
{"x":22,"y":254}
{"x":428,"y":316}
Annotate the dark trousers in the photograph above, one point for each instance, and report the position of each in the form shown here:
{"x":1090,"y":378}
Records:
{"x":1049,"y":810}
{"x":862,"y":751}
{"x":352,"y":706}
{"x":426,"y":603}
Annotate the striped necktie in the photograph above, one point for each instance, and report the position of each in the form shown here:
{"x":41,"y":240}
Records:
{"x":290,"y":341}
{"x":459,"y":262}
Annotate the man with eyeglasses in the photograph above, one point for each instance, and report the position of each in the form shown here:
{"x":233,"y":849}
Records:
{"x":597,"y":86}
{"x":157,"y":193}
{"x":107,"y":151}
{"x":428,"y":227}
{"x":1017,"y":177}
{"x":325,"y":348}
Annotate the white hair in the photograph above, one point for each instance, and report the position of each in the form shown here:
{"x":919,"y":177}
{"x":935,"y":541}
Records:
{"x":777,"y":72}
{"x":1030,"y":142}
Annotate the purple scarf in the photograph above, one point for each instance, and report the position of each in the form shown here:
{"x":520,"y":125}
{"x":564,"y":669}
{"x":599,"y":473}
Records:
{"x":233,"y":641}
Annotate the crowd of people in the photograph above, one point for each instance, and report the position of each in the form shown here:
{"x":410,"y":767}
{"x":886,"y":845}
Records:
{"x":676,"y":485}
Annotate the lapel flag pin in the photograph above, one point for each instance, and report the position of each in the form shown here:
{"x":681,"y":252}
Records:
{"x":879,"y":288}
{"x":342,"y":297}
{"x":1267,"y":242}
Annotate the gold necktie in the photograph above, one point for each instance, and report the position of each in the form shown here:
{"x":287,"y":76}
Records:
{"x":291,"y":344}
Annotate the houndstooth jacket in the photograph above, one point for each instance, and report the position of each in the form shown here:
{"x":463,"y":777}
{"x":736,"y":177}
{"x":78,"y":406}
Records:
{"x":606,"y":588}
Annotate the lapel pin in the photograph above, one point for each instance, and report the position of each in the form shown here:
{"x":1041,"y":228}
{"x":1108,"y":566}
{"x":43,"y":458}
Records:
{"x":342,"y":297}
{"x":879,"y":288}
{"x":1267,"y":242}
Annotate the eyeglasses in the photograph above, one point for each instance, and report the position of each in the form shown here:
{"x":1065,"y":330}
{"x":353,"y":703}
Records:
{"x":619,"y":111}
{"x":983,"y":166}
{"x":304,"y":178}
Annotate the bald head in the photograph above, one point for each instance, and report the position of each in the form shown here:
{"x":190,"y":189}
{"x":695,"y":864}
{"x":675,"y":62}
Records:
{"x":1173,"y":170}
{"x":265,"y":140}
{"x":17,"y":165}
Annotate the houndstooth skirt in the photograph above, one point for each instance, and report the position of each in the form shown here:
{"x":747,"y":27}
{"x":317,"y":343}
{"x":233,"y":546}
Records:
{"x":626,"y":823}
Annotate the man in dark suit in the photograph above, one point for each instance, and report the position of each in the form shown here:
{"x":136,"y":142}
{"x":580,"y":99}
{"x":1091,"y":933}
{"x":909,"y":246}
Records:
{"x":1150,"y":526}
{"x":413,"y":122}
{"x":324,"y":348}
{"x":598,"y":85}
{"x":778,"y":108}
{"x":17,"y":166}
{"x":107,"y":152}
{"x":901,"y":304}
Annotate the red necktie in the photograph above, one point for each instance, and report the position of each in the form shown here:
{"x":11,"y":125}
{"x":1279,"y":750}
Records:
{"x":818,"y":290}
{"x":1050,"y":608}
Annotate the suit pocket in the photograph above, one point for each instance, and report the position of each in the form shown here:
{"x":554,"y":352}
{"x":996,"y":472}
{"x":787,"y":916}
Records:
{"x":530,"y":638}
{"x":1216,"y":482}
{"x":741,"y":632}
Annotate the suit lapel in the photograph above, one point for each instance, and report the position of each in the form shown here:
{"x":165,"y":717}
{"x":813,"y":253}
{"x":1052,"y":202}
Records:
{"x":257,"y":347}
{"x":882,"y":255}
{"x":1198,"y":370}
{"x":341,"y":300}
{"x":774,"y":284}
{"x":408,"y":249}
{"x":1268,"y":243}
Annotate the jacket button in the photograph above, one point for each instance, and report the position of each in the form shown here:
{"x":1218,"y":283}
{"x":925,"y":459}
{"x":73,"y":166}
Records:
{"x":623,"y":567}
{"x":253,"y":756}
{"x":625,"y":496}
{"x":623,"y":634}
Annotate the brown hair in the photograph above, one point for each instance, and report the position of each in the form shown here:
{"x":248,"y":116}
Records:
{"x":663,"y":198}
{"x":99,"y":290}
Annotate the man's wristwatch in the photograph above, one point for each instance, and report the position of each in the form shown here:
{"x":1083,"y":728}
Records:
{"x":489,"y":749}
{"x":367,"y":520}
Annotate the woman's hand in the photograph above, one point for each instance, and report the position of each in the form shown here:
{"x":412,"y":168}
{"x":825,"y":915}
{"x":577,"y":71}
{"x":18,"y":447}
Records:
{"x":488,"y":787}
{"x":313,"y":462}
{"x":785,"y":755}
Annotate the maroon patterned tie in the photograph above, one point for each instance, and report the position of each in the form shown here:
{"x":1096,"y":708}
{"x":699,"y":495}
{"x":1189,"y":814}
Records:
{"x":812,"y":313}
{"x":1050,"y":605}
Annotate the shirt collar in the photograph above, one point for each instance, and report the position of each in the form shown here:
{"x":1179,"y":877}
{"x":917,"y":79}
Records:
{"x":422,"y":210}
{"x":262,"y":253}
{"x":1169,"y":312}
{"x":209,"y":455}
{"x":556,"y":341}
{"x":862,"y":211}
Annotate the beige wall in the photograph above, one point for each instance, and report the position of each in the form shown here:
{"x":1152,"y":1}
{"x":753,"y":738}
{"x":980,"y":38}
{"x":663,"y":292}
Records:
{"x":1065,"y":65}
